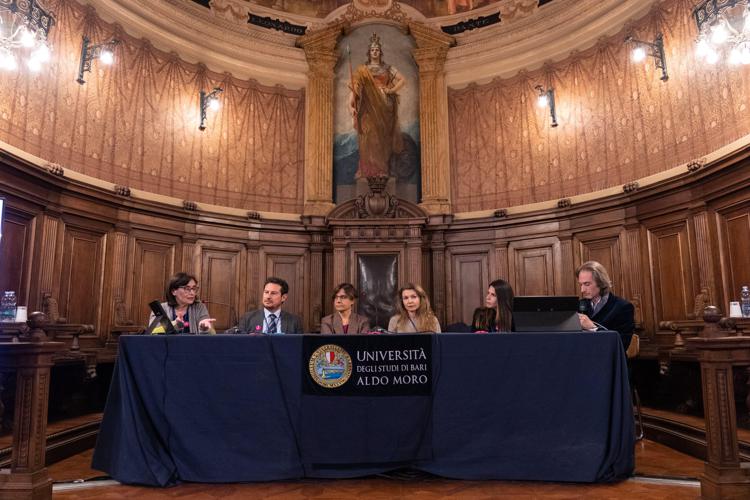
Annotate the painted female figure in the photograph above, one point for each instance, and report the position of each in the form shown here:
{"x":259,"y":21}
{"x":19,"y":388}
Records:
{"x":374,"y":108}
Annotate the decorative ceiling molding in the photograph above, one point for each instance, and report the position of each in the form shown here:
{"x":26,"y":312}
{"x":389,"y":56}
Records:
{"x":552,"y":33}
{"x":199,"y":35}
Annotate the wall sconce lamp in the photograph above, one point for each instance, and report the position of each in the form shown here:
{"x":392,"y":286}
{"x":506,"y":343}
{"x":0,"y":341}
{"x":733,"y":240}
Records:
{"x":545,"y":99}
{"x":643,"y":49}
{"x":209,"y":101}
{"x":102,"y":51}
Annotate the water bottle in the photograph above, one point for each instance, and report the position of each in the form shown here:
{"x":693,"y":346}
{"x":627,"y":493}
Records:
{"x":745,"y":301}
{"x":8,"y":306}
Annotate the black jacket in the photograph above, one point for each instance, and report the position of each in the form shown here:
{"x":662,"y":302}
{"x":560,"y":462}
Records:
{"x":618,"y":315}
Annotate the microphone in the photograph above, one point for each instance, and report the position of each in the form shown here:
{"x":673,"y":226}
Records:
{"x":584,"y":307}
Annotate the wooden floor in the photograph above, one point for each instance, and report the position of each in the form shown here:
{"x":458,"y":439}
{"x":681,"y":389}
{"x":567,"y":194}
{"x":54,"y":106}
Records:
{"x":653,"y":460}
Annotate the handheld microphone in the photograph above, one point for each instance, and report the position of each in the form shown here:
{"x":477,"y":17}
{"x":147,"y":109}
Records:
{"x":583,"y":307}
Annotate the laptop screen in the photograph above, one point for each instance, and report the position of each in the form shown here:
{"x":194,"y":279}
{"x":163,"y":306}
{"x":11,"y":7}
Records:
{"x":546,"y":314}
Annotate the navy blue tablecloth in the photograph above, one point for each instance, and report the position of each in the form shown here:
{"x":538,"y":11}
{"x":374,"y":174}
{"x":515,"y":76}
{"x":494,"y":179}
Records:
{"x":231,"y":408}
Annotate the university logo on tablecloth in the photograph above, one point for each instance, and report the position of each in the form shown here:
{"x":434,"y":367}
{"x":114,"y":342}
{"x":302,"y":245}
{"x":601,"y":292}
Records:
{"x":330,"y":366}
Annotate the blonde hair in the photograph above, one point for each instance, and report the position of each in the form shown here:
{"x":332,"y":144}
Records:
{"x":599,"y":273}
{"x":425,"y":318}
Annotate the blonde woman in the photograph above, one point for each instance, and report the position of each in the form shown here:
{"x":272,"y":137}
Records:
{"x":414,"y":312}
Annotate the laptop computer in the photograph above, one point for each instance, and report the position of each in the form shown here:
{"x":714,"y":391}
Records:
{"x":546,"y":314}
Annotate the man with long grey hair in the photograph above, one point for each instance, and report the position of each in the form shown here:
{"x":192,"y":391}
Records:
{"x":600,"y":309}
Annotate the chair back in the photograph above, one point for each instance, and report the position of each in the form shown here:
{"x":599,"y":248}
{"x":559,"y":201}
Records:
{"x":634,"y":348}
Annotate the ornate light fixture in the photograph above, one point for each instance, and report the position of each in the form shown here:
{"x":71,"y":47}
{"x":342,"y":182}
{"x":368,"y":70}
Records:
{"x":208,"y":100}
{"x":653,"y":49}
{"x":24,"y":27}
{"x":723,"y":29}
{"x":545,"y":99}
{"x":102,"y":51}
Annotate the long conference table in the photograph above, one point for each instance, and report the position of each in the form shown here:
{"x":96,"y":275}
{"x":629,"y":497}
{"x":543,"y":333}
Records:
{"x":234,"y":408}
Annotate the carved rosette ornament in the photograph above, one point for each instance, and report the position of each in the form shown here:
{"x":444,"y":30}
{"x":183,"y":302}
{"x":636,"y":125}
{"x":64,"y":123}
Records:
{"x":122,"y":190}
{"x":696,"y":165}
{"x":55,"y":169}
{"x":190,"y":206}
{"x":564,"y":203}
{"x":501,"y":213}
{"x":377,"y":203}
{"x":630,"y":187}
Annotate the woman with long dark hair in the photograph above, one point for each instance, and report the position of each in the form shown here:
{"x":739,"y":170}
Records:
{"x":500,"y":297}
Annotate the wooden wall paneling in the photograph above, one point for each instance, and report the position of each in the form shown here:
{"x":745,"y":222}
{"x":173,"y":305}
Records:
{"x":288,"y":264}
{"x":705,"y":250}
{"x":154,"y":259}
{"x":427,"y":281}
{"x":734,"y":247}
{"x":191,"y":261}
{"x":328,"y":283}
{"x":434,"y":271}
{"x":633,"y":280}
{"x":82,"y":276}
{"x":318,"y":292}
{"x":604,"y":248}
{"x":47,"y":260}
{"x":251,"y":295}
{"x":672,"y":279}
{"x":119,"y":282}
{"x":414,"y":255}
{"x":469,"y":281}
{"x":499,"y":262}
{"x":566,"y":270}
{"x":16,"y":252}
{"x":532,"y":266}
{"x":221,"y":274}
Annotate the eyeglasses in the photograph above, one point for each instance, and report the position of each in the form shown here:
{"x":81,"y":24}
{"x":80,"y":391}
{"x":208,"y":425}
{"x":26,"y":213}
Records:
{"x":189,"y":289}
{"x":341,"y":297}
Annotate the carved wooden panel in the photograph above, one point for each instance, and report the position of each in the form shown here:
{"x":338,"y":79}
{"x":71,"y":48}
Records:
{"x":292,"y":269}
{"x":671,"y":272}
{"x":533,"y":266}
{"x":469,"y":279}
{"x":16,"y":249}
{"x":734,"y":227}
{"x":220,"y":284}
{"x":82,"y":278}
{"x":606,"y":251}
{"x":153,"y":265}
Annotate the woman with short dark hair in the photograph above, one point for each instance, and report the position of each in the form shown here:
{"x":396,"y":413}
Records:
{"x":185,"y":310}
{"x":344,"y":320}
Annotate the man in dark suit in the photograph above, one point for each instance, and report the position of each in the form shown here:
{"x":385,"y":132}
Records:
{"x":271,"y":319}
{"x":600,"y":308}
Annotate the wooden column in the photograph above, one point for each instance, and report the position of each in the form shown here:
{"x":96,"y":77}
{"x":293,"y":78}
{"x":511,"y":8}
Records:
{"x":28,"y":477}
{"x":430,"y":54}
{"x":320,"y":51}
{"x":723,"y":477}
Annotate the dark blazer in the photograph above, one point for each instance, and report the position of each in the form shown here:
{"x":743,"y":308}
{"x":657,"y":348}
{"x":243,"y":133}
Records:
{"x":252,"y":322}
{"x":333,"y":324}
{"x":618,"y":315}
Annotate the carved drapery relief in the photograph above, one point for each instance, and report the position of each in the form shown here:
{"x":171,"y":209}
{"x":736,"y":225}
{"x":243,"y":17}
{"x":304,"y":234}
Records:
{"x":136,"y":123}
{"x":499,"y":135}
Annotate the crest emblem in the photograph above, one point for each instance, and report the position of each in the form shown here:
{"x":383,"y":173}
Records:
{"x":330,"y":366}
